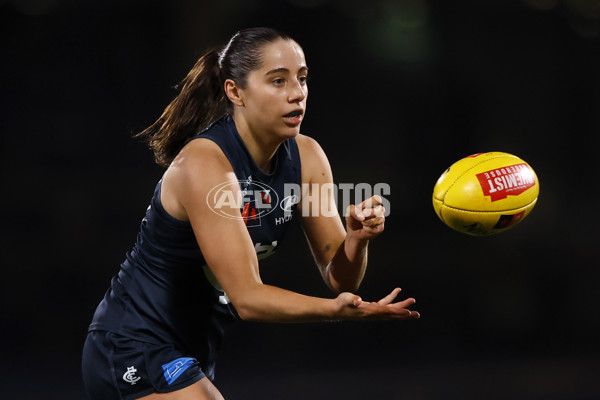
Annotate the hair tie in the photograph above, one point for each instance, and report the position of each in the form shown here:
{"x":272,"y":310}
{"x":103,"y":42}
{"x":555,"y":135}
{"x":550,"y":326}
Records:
{"x":225,"y":50}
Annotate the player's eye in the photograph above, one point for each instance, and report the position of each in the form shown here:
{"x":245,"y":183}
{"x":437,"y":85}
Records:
{"x":278,"y":81}
{"x":303,"y":79}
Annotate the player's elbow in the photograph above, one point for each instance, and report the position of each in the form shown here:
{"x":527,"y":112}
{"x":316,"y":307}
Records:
{"x":246,"y":309}
{"x":247,"y":314}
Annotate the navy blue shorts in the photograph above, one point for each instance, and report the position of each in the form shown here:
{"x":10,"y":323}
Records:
{"x":116,"y":367}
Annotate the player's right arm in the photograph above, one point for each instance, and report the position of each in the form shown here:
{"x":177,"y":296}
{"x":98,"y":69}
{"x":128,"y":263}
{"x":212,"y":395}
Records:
{"x":229,"y":251}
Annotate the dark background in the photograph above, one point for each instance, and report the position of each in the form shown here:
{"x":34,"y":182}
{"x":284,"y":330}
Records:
{"x":399,"y":90}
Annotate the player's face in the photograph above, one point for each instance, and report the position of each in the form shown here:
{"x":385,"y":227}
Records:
{"x":275,"y":94}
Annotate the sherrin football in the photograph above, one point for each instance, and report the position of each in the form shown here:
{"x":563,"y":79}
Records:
{"x":486,"y":193}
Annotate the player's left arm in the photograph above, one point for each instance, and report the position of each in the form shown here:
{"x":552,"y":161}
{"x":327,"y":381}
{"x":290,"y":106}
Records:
{"x":341,"y":254}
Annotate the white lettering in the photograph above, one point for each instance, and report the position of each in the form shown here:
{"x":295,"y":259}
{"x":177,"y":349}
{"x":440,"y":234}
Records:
{"x":492,"y":188}
{"x":499,"y":184}
{"x":283,"y":220}
{"x":519,"y":179}
{"x":310,"y":200}
{"x":383,"y":189}
{"x":528,"y":177}
{"x":227,"y":199}
{"x":262,"y":199}
{"x":328,"y":208}
{"x":511,"y":180}
{"x":345,"y":188}
{"x":265,"y":250}
{"x":362,"y":192}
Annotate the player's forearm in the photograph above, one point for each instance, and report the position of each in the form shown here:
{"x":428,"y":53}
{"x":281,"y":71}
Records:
{"x":267,"y":303}
{"x":346,"y":270}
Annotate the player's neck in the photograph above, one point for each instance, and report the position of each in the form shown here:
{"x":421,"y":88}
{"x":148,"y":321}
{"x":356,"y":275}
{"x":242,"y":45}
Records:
{"x":260,"y":148}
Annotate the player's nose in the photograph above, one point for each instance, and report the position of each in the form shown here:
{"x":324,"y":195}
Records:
{"x":297,"y":92}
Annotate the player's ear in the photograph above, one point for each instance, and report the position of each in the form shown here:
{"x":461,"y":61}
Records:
{"x":233,"y":92}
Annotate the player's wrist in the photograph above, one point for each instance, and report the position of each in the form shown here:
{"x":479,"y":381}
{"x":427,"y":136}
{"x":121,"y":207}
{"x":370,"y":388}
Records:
{"x":355,"y":242}
{"x":355,"y":237}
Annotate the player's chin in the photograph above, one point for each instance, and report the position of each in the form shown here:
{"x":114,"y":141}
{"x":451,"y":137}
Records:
{"x":289,"y":132}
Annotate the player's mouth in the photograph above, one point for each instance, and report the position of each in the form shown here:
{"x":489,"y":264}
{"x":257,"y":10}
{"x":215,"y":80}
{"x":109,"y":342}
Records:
{"x":294,"y":118}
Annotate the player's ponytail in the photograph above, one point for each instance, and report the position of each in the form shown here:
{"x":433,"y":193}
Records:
{"x":200,"y":102}
{"x":202,"y":99}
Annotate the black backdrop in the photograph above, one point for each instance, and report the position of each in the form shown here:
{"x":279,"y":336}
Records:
{"x":399,"y":90}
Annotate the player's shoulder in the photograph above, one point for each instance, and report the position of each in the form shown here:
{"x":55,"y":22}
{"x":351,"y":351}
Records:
{"x":309,"y":148}
{"x":315,"y":164}
{"x":200,"y":162}
{"x":306,"y":142}
{"x":200,"y":153}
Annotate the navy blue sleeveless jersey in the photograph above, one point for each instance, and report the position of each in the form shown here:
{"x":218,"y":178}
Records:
{"x":164,"y":292}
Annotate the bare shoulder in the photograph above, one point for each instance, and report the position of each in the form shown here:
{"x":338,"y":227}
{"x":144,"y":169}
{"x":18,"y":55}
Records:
{"x":198,"y":167}
{"x":199,"y":153}
{"x":315,"y":165}
{"x":308,"y":146}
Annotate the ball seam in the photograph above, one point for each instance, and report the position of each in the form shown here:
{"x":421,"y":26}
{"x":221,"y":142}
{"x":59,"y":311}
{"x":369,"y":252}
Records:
{"x":490,"y":212}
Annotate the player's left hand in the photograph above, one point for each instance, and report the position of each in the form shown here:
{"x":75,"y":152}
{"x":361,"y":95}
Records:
{"x":366,"y":220}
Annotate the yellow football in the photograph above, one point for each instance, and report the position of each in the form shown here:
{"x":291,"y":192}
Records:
{"x":486,"y":193}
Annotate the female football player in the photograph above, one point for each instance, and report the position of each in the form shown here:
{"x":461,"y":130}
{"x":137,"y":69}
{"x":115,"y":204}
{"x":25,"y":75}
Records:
{"x":238,"y":170}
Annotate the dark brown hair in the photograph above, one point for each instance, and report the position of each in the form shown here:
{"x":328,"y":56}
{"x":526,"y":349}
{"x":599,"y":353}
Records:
{"x":202,"y":99}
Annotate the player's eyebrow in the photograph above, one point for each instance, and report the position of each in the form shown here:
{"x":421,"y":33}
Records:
{"x":283,"y":70}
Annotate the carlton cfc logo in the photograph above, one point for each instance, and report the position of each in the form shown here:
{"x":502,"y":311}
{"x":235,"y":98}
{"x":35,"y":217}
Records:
{"x":129,"y":375}
{"x":247,"y":200}
{"x":506,"y":181}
